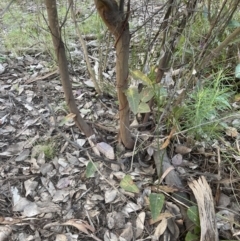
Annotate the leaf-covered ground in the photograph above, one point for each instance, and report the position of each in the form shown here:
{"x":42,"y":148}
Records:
{"x":54,"y":186}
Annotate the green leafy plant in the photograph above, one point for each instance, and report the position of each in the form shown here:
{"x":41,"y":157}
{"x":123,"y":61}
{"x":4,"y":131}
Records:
{"x":138,"y":100}
{"x":48,"y":148}
{"x":205,"y":104}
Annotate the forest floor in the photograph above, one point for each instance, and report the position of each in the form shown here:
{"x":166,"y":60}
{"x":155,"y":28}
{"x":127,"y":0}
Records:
{"x":53,"y":189}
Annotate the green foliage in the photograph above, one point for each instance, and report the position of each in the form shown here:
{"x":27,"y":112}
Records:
{"x":193,"y":36}
{"x":156,"y":204}
{"x":128,"y":185}
{"x":93,"y":25}
{"x":204,"y":29}
{"x":23,"y":29}
{"x":133,"y":99}
{"x":205,"y":104}
{"x":139,"y":75}
{"x":193,"y":215}
{"x":91,"y":169}
{"x":136,"y":103}
{"x":138,"y":100}
{"x":191,"y":237}
{"x":62,"y":106}
{"x":48,"y":148}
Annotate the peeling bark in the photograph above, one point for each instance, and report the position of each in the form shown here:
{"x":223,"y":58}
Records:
{"x":117,"y":24}
{"x":203,"y":195}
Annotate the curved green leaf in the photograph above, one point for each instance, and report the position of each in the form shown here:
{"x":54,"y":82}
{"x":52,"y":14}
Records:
{"x":193,"y":215}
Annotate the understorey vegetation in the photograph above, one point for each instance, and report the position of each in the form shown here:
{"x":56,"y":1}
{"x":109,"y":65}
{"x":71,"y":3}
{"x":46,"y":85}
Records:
{"x":119,"y":119}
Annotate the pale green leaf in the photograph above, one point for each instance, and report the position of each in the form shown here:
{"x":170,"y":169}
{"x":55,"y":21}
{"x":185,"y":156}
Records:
{"x":133,"y":99}
{"x":193,"y":215}
{"x":139,"y":75}
{"x":143,"y":108}
{"x":91,"y":169}
{"x":146,"y":94}
{"x":156,"y":203}
{"x":128,"y":185}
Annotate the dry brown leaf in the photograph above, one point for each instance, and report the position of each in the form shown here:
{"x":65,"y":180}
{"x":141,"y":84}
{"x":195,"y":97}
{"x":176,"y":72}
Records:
{"x":127,"y":232}
{"x":108,"y":236}
{"x":167,"y":189}
{"x":70,"y":116}
{"x":10,"y":221}
{"x":181,"y":149}
{"x":5,"y":232}
{"x":177,"y":160}
{"x":80,"y":225}
{"x":232,"y":131}
{"x":106,"y":150}
{"x":168,"y":170}
{"x":224,"y":200}
{"x":160,"y":230}
{"x":77,"y":223}
{"x":227,"y":181}
{"x":160,"y":217}
{"x":110,"y":195}
{"x":140,"y":224}
{"x":166,"y":143}
{"x":61,"y":237}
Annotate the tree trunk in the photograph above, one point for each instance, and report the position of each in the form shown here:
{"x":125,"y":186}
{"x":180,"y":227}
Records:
{"x":63,"y":66}
{"x":117,"y":24}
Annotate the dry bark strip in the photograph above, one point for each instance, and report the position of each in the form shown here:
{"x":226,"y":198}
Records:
{"x":203,"y":195}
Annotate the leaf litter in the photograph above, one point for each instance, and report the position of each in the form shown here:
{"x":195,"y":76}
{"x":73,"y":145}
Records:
{"x":48,"y":196}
